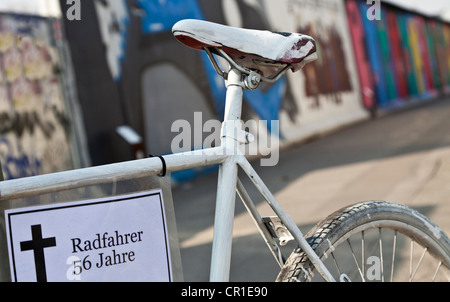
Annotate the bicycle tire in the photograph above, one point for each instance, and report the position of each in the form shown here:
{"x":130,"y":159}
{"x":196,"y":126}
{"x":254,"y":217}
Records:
{"x":374,"y":222}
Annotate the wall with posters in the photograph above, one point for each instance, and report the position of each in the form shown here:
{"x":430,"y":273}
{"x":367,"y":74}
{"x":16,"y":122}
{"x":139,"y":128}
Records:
{"x":326,"y":93}
{"x":131,"y":69}
{"x":147,"y":80}
{"x":35,"y":124}
{"x":401,"y":57}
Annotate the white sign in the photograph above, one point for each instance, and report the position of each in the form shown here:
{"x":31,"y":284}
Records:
{"x":122,"y":238}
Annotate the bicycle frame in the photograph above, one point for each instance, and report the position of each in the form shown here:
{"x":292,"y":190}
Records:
{"x":228,"y":183}
{"x":228,"y":156}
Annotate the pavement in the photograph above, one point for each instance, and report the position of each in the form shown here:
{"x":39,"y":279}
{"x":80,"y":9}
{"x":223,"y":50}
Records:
{"x":402,"y":157}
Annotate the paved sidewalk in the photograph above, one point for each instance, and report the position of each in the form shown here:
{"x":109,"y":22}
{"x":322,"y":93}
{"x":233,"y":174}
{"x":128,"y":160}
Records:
{"x":402,"y":157}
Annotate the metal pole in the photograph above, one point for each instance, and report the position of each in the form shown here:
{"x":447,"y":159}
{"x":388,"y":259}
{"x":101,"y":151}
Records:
{"x":36,"y":185}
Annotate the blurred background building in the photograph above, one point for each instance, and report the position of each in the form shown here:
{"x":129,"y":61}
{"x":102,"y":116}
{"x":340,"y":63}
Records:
{"x":67,"y":83}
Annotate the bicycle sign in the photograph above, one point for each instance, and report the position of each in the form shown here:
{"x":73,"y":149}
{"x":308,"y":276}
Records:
{"x":90,"y":240}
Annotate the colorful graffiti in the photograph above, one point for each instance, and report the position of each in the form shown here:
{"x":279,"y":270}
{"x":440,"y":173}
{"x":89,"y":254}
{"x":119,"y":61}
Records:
{"x":141,"y":51}
{"x":113,"y":24}
{"x":329,"y":75}
{"x":17,"y":164}
{"x":147,"y":80}
{"x":400,"y":57}
{"x":361,"y":55}
{"x":34,"y":125}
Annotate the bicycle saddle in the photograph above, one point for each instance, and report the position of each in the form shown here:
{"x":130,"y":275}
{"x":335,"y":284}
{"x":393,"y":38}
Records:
{"x":248,"y":47}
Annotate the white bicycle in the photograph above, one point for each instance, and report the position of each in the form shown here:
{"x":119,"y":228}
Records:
{"x":339,"y":246}
{"x":374,"y":240}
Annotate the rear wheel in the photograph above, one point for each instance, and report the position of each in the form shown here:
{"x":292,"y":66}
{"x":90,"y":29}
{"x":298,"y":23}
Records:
{"x":374,"y":241}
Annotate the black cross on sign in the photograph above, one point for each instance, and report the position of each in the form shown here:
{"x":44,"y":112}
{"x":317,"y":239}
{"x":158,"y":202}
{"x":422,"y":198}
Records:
{"x":38,"y":244}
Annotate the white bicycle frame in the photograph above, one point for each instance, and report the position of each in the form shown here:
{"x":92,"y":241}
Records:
{"x":228,"y":183}
{"x":228,"y":155}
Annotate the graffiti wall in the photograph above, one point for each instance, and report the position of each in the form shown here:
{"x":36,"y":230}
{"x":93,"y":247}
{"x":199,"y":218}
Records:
{"x":326,"y":93}
{"x":132,"y":70}
{"x":35,"y":126}
{"x":402,"y":56}
{"x":153,"y":80}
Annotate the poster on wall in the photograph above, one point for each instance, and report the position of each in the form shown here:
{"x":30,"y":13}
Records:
{"x":326,"y":91}
{"x":401,"y":56}
{"x":35,"y":124}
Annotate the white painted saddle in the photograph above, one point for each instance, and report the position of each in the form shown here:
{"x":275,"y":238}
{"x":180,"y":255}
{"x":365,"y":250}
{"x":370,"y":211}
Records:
{"x":248,"y":46}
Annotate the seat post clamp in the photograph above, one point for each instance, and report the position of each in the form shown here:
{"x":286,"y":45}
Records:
{"x":252,"y":80}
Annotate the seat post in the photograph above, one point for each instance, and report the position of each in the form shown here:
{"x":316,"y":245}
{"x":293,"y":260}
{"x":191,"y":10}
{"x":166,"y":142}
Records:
{"x":226,"y":188}
{"x":233,"y":102}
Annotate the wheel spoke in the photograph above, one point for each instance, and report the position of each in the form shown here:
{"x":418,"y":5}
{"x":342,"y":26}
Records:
{"x":356,"y":261}
{"x":418,"y":264}
{"x":436,"y":272}
{"x":411,"y":258}
{"x":381,"y":254}
{"x":363,"y":248}
{"x":393,"y":256}
{"x":335,"y":263}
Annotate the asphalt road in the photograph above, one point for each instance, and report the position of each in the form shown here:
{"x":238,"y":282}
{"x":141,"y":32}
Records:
{"x":401,"y":157}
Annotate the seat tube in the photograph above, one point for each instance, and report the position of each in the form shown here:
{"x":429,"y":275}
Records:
{"x":227,"y":180}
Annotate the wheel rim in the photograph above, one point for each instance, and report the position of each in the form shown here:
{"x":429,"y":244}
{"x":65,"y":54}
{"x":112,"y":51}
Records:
{"x":386,"y":250}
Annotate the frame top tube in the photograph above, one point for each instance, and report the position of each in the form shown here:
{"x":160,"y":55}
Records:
{"x":42,"y":184}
